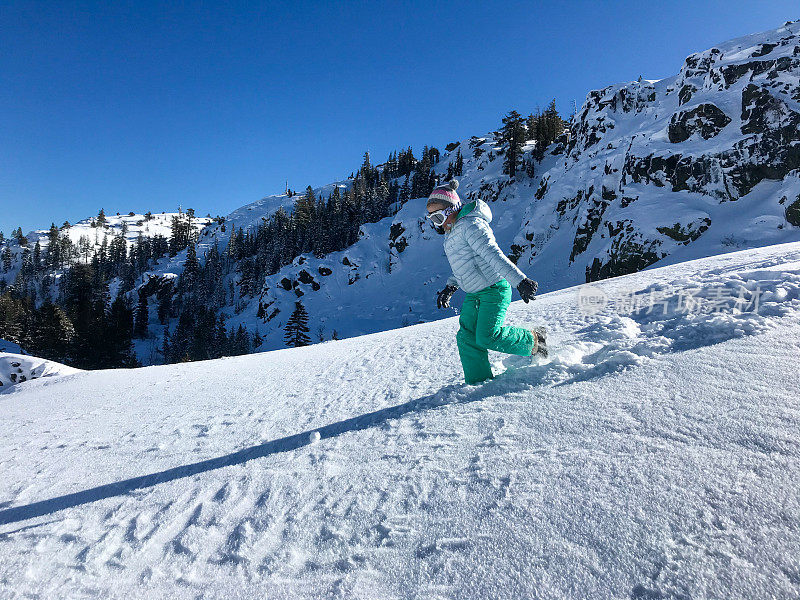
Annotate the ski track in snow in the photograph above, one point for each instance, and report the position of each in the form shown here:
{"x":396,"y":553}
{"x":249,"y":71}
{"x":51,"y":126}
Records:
{"x":652,"y":456}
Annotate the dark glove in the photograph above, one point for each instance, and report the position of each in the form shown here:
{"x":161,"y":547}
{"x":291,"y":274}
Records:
{"x":527,"y":289}
{"x":443,"y":297}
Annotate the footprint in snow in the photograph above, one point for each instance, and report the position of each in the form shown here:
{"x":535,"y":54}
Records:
{"x":443,"y":545}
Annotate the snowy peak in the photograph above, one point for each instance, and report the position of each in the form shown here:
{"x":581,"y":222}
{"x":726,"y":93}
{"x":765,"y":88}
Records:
{"x":130,"y":226}
{"x":770,"y":59}
{"x":250,"y":215}
{"x":78,"y":242}
{"x":721,"y":66}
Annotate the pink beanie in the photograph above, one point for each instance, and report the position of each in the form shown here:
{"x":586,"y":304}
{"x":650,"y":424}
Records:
{"x":446,"y":195}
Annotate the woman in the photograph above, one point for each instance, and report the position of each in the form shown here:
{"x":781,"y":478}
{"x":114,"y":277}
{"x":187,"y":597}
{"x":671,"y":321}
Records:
{"x":482,"y":270}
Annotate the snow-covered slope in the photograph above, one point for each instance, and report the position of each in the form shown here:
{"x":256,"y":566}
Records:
{"x":656,"y":455}
{"x":389,"y":278}
{"x":250,"y":215}
{"x":131,"y":226}
{"x":19,"y":368}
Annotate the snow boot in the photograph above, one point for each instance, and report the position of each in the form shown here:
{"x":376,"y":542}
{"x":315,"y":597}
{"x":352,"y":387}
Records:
{"x":540,"y":347}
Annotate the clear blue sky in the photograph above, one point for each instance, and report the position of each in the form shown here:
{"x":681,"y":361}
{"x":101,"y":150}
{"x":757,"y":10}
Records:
{"x":146,"y":106}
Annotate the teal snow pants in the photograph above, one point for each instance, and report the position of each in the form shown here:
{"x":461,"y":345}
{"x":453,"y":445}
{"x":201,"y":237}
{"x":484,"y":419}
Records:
{"x":482,"y":316}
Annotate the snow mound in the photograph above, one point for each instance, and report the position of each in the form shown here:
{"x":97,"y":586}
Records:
{"x":18,"y":368}
{"x":677,"y":315}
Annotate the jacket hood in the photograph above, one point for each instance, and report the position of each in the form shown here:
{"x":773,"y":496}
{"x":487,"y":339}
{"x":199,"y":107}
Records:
{"x":480,"y":210}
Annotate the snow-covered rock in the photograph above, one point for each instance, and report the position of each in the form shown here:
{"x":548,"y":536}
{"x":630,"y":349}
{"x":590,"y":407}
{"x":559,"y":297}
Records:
{"x":19,"y":368}
{"x":654,"y":455}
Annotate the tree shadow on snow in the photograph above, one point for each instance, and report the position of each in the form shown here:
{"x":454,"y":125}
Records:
{"x":448,"y":395}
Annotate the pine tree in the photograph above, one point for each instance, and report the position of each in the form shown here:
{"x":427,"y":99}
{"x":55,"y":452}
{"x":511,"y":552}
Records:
{"x":53,"y":254}
{"x":296,"y":330}
{"x":25,"y":275}
{"x":366,"y":167}
{"x":19,"y":237}
{"x":51,"y":333}
{"x":142,"y":317}
{"x":66,"y":250}
{"x":117,"y":348}
{"x":241,"y":342}
{"x":548,"y":126}
{"x":513,"y":136}
{"x":405,"y":191}
{"x":37,"y":256}
{"x":232,"y":251}
{"x":182,"y":336}
{"x":13,"y":318}
{"x":458,"y":169}
{"x":258,"y":341}
{"x":45,"y":285}
{"x":221,"y":337}
{"x":304,"y":208}
{"x":6,"y":258}
{"x":191,"y":268}
{"x":165,"y":304}
{"x":101,"y":218}
{"x":165,"y":346}
{"x":84,"y":248}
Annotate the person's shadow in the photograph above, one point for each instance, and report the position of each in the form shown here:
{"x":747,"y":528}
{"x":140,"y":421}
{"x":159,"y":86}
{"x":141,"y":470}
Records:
{"x":451,"y":394}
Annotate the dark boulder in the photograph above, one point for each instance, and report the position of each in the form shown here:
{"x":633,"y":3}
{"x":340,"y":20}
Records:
{"x":793,"y":212}
{"x":686,"y":93}
{"x":629,"y":253}
{"x":686,"y":233}
{"x":396,"y":238}
{"x":305,"y":277}
{"x":706,"y":119}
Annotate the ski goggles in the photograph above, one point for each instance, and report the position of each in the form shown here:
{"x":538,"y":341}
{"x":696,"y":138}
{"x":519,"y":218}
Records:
{"x":438,"y":217}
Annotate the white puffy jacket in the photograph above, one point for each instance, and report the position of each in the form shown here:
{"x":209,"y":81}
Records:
{"x":474,"y":255}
